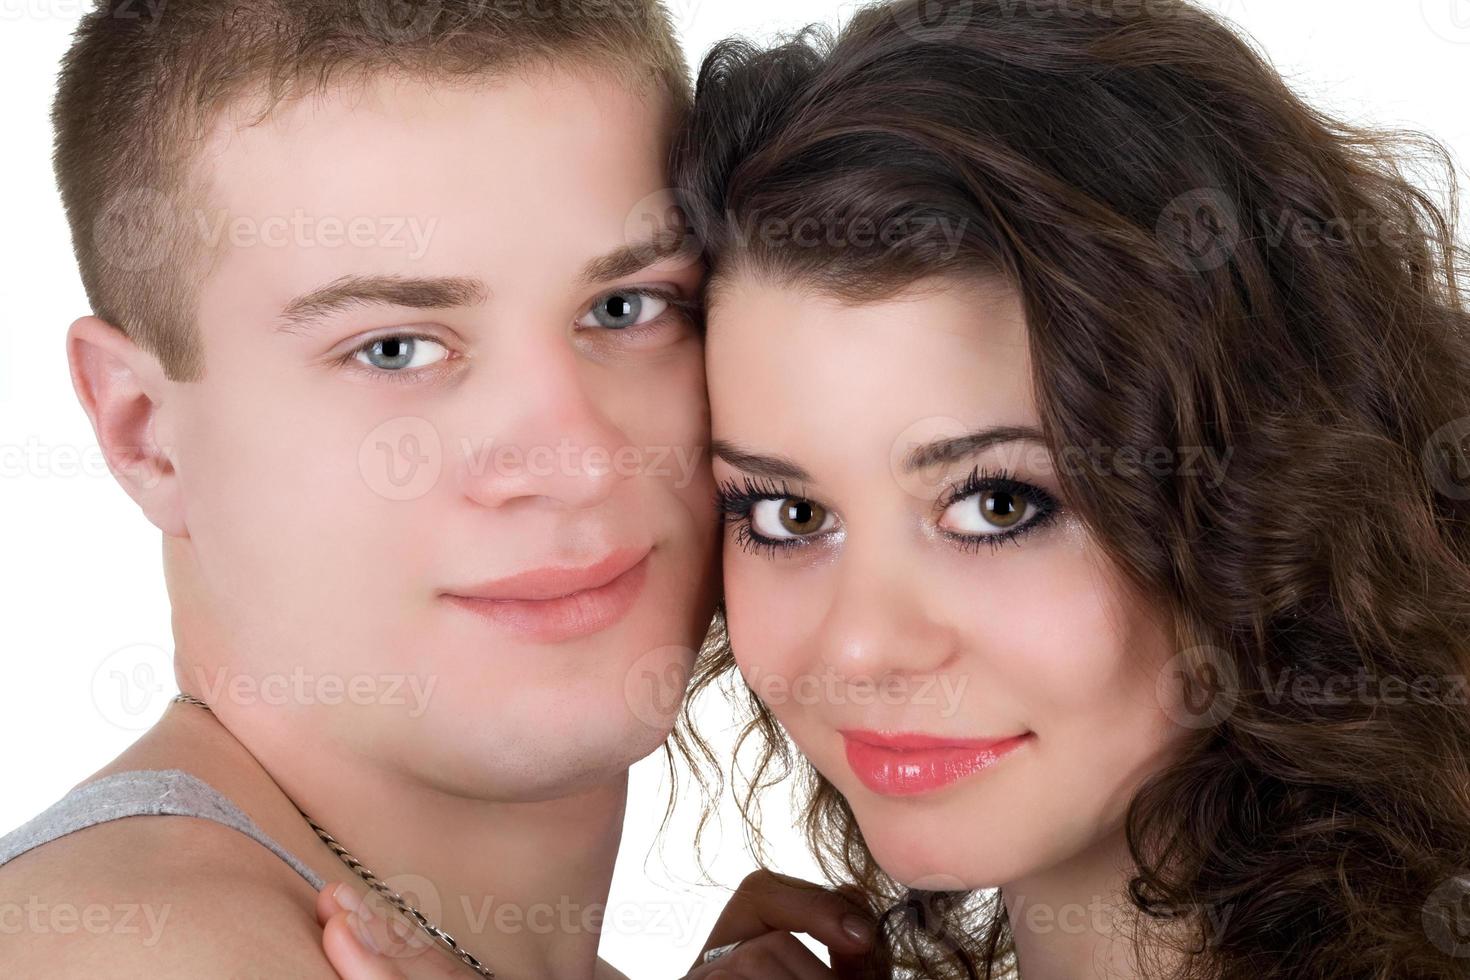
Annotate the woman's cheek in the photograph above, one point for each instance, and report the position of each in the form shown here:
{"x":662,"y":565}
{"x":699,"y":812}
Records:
{"x":768,"y":629}
{"x":1042,"y":621}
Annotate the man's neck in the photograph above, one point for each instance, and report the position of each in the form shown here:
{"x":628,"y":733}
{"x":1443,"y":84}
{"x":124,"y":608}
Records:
{"x":522,"y":886}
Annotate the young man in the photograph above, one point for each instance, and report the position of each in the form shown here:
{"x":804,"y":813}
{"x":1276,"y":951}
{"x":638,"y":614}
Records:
{"x":393,"y":347}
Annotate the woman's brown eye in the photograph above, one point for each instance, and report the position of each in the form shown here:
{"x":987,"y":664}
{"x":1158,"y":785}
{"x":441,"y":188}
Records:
{"x":996,"y":512}
{"x":801,"y":516}
{"x":786,"y":518}
{"x":1002,"y":509}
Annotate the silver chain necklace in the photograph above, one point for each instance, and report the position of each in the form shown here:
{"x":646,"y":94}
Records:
{"x":442,"y":938}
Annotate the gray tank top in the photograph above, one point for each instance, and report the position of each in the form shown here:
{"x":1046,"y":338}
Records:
{"x":141,"y":792}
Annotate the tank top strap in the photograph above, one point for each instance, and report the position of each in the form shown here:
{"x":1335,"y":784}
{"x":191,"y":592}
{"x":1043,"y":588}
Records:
{"x":137,"y":793}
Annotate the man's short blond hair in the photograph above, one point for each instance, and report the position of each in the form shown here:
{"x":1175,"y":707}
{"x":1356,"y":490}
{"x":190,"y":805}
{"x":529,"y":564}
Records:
{"x":145,"y":79}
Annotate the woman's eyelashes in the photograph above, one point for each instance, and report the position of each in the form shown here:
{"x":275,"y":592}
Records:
{"x":989,"y":508}
{"x":994,"y":508}
{"x":767,"y":516}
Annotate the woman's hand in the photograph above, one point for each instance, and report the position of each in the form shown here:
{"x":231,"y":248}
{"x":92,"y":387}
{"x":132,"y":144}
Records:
{"x":366,"y":939}
{"x":762,"y":916}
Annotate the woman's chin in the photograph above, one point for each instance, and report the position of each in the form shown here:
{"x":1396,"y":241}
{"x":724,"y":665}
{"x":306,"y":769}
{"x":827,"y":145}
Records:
{"x":919,"y":861}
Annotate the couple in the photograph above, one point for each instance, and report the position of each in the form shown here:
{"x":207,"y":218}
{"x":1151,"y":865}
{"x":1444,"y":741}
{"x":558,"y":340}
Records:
{"x":1074,"y":496}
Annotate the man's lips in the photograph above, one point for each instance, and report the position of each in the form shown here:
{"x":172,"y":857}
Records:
{"x":910,"y":763}
{"x":554,"y":581}
{"x":551,"y":605}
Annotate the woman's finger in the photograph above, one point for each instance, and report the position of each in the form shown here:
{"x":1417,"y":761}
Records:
{"x":875,"y":964}
{"x":349,"y":954}
{"x":770,"y":956}
{"x":385,"y":939}
{"x":328,"y":904}
{"x":767,"y":902}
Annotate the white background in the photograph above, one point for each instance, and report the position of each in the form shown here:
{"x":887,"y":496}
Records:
{"x":81,"y":585}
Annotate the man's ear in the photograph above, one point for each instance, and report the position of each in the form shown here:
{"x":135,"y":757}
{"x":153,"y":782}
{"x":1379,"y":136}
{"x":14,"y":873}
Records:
{"x":122,"y":389}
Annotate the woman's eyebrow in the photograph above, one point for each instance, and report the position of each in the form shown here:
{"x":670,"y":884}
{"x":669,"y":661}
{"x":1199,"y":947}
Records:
{"x":962,"y":447}
{"x":919,"y":457}
{"x":759,"y":464}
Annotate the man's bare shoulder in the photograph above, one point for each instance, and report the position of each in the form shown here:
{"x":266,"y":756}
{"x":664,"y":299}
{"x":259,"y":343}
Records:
{"x":158,"y":896}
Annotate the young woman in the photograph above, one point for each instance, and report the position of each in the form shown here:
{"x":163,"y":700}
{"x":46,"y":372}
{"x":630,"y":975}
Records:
{"x":1089,"y":421}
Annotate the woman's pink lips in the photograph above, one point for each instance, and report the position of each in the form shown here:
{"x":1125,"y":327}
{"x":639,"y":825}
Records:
{"x":566,"y":617}
{"x":910,"y":764}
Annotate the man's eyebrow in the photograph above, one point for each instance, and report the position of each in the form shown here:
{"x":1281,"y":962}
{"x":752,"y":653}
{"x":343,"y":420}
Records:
{"x":637,"y":256}
{"x":919,"y":457}
{"x":420,"y":293}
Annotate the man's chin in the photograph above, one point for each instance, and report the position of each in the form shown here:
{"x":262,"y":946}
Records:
{"x":560,"y":763}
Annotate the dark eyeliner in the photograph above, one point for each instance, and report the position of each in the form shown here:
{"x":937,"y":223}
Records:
{"x":734,"y":501}
{"x":1000,"y":481}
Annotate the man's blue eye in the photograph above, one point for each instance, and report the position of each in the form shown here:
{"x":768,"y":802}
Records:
{"x":397,"y":353}
{"x":618,"y":311}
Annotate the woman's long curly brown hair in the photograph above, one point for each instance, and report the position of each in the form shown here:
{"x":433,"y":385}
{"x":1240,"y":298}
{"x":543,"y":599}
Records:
{"x":1206,"y":261}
